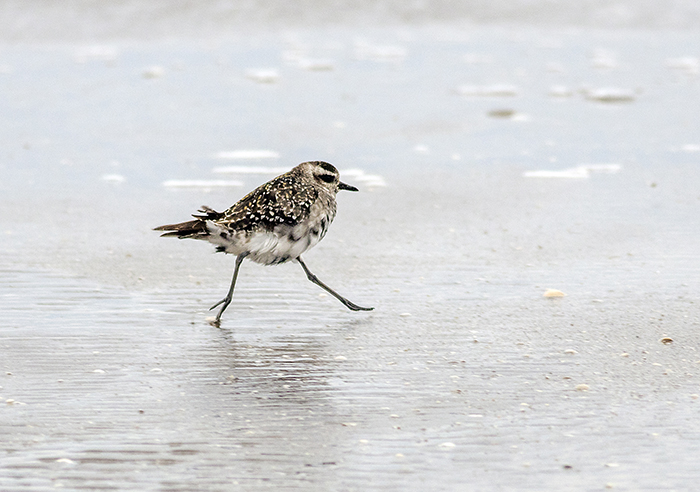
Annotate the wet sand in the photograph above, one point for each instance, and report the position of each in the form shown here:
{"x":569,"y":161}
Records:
{"x":465,"y":377}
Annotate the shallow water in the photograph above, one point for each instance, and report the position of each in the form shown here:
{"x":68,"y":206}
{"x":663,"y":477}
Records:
{"x":464,"y":377}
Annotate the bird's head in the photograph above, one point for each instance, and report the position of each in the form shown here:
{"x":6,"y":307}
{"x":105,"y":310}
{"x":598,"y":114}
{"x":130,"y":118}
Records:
{"x":325,"y":175}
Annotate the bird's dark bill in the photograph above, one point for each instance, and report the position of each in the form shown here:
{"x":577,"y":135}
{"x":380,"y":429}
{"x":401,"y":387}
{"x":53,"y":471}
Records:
{"x":344,"y":186}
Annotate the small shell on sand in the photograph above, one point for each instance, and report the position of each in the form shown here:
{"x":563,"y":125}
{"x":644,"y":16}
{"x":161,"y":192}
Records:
{"x":666,"y":340}
{"x":553,"y":293}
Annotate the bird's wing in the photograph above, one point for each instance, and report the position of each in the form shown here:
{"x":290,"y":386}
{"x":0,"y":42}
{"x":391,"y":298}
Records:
{"x":284,"y":200}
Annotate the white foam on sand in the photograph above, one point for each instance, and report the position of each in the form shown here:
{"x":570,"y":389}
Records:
{"x":687,"y":64}
{"x":604,"y":59}
{"x":369,"y":180}
{"x":560,"y":91}
{"x":153,"y":72}
{"x":96,"y":53}
{"x":316,"y":64}
{"x":579,"y":172}
{"x":249,"y":170}
{"x":477,"y":59}
{"x":113,"y":178}
{"x":421,"y":149}
{"x":610,"y":95}
{"x":263,"y":75}
{"x":496,"y":90}
{"x":248,"y":154}
{"x":200,"y":183}
{"x":368,"y":51}
{"x":359,"y":175}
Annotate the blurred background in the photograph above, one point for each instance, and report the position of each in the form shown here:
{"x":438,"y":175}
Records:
{"x":502,"y":148}
{"x":84,"y":20}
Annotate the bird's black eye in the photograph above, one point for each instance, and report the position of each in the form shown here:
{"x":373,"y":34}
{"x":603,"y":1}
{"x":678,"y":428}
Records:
{"x":328,"y":178}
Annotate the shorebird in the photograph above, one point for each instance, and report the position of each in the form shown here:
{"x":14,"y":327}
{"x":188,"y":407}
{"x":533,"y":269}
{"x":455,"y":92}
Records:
{"x":273,"y":224}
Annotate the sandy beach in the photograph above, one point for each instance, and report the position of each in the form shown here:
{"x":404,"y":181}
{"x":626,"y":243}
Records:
{"x":495,"y":164}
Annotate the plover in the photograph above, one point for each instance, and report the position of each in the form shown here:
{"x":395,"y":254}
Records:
{"x":275,"y":223}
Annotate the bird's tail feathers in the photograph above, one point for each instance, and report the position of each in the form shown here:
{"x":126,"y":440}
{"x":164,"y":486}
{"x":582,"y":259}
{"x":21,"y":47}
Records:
{"x":195,"y":229}
{"x":209,"y":213}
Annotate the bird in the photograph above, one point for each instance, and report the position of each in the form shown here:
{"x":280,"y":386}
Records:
{"x":275,"y":223}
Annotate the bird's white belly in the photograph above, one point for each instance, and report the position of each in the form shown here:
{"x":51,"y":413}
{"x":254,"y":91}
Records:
{"x":270,"y":248}
{"x":283,"y":244}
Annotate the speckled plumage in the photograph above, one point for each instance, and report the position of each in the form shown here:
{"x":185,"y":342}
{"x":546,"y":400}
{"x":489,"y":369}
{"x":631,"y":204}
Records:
{"x":275,"y":223}
{"x":287,"y":199}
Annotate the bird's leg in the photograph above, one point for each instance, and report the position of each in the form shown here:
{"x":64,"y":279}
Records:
{"x":227,"y":300}
{"x":314,"y":279}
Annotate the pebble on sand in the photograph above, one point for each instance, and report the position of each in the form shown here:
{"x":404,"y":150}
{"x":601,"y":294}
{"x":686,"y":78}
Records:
{"x":501,"y":113}
{"x":582,"y":387}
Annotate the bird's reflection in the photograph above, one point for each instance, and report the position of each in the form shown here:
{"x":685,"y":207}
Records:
{"x":291,"y":368}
